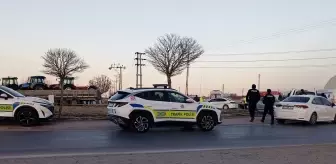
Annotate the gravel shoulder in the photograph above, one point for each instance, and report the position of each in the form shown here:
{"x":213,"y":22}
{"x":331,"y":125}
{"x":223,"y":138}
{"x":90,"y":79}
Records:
{"x":308,"y":154}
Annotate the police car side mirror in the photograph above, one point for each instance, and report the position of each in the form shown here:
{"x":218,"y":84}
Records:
{"x":4,"y":96}
{"x":190,"y":101}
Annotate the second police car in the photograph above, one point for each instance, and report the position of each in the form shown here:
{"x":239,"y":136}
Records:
{"x":139,"y":109}
{"x":27,"y":111}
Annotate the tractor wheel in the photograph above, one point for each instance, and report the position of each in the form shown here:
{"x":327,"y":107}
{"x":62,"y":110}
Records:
{"x":38,"y":87}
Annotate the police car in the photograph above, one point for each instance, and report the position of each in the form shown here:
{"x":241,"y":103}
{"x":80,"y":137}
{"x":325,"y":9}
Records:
{"x":27,"y":111}
{"x":140,"y":109}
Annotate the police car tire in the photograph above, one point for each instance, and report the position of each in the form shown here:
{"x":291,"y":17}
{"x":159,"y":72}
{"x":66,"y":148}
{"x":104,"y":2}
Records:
{"x":25,"y":114}
{"x":139,"y":118}
{"x":206,"y":121}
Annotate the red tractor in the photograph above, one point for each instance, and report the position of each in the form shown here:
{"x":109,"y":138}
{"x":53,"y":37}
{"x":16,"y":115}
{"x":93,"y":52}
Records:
{"x":69,"y":84}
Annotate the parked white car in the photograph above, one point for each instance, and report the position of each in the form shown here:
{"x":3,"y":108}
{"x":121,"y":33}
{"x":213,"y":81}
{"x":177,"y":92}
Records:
{"x":308,"y":108}
{"x":223,"y":103}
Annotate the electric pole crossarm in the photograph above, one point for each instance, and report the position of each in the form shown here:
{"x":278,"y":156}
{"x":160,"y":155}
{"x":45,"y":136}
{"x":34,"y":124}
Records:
{"x":119,"y":68}
{"x":139,"y":65}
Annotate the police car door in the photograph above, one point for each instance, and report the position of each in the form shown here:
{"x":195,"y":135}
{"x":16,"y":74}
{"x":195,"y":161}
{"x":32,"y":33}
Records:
{"x":159,"y":104}
{"x":181,"y":109}
{"x":6,"y":104}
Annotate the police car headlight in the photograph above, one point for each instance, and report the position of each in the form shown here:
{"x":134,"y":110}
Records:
{"x":46,"y":105}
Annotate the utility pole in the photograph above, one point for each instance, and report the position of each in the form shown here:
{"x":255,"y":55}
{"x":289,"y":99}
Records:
{"x":223,"y":88}
{"x":187,"y":76}
{"x":258,"y":81}
{"x":114,"y":89}
{"x":139,"y":65}
{"x":120,"y":67}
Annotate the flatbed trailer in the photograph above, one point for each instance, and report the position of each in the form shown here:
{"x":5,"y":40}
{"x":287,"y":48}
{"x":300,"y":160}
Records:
{"x":69,"y":96}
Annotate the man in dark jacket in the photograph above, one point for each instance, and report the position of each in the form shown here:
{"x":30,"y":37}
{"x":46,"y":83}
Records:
{"x":196,"y":98}
{"x":269,"y":101}
{"x":252,"y":98}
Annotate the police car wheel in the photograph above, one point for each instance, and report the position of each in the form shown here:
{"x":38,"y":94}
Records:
{"x":140,"y":123}
{"x":206,"y":122}
{"x":27,"y":117}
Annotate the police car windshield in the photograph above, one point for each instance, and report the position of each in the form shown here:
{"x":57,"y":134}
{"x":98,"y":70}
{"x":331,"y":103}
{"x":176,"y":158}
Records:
{"x":12,"y":92}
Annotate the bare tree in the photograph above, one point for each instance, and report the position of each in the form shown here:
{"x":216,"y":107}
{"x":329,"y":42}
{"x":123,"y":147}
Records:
{"x":61,"y":63}
{"x":172,"y":53}
{"x":102,"y":82}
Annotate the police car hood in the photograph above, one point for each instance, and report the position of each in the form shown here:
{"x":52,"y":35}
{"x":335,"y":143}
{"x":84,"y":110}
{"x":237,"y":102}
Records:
{"x":35,"y":100}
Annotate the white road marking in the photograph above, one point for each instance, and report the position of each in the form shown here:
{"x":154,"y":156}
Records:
{"x":151,"y":151}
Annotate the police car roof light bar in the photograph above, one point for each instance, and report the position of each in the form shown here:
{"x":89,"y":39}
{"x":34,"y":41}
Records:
{"x":165,"y":86}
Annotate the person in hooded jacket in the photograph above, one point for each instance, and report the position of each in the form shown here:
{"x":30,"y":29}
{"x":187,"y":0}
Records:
{"x":252,"y":98}
{"x":269,"y":101}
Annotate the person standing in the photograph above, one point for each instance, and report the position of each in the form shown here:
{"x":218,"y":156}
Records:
{"x":201,"y":99}
{"x":197,"y":99}
{"x":252,"y":98}
{"x":269,"y":101}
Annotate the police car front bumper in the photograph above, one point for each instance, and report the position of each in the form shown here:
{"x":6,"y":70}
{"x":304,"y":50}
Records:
{"x":118,"y":120}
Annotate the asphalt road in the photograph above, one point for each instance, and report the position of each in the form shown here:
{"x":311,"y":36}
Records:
{"x":16,"y":143}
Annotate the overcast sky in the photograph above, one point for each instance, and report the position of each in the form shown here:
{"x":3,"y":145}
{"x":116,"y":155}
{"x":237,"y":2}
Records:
{"x":109,"y":31}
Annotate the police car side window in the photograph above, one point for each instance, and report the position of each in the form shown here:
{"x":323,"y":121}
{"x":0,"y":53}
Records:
{"x":176,"y":97}
{"x":152,"y":95}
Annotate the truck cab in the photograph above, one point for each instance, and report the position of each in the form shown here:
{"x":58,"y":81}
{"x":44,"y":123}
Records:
{"x":10,"y":82}
{"x":34,"y":83}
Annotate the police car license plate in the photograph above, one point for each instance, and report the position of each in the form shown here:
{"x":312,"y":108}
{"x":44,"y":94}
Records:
{"x":287,"y":107}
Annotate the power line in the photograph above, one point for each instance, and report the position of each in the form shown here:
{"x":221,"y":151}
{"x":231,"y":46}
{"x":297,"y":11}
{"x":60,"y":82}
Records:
{"x":288,"y":31}
{"x":298,"y":66}
{"x":247,"y":61}
{"x":280,"y":52}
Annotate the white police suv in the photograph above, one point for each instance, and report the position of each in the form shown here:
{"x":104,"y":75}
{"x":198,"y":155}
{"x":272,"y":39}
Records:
{"x":139,"y":109}
{"x":27,"y":111}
